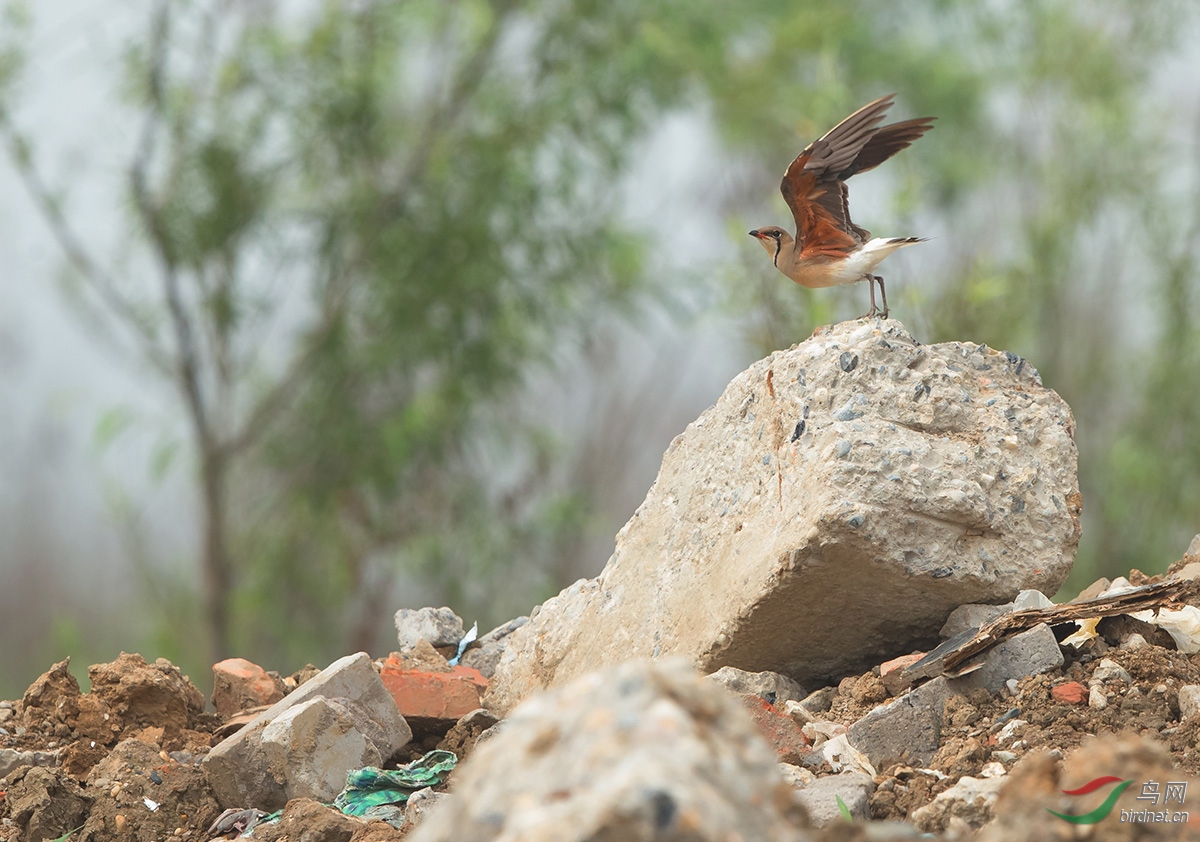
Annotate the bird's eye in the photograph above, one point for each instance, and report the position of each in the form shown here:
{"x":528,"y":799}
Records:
{"x":775,"y":234}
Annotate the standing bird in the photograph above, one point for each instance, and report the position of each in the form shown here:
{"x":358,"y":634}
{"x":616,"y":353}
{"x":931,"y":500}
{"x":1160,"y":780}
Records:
{"x":829,"y":249}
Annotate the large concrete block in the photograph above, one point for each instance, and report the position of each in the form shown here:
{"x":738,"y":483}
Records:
{"x":828,"y":513}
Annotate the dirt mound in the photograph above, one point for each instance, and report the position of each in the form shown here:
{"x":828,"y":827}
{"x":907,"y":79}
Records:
{"x":123,"y":761}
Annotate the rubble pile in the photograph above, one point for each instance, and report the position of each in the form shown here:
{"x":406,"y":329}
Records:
{"x":826,"y":622}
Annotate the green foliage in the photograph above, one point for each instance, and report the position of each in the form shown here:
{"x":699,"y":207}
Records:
{"x":843,"y":809}
{"x":463,"y":212}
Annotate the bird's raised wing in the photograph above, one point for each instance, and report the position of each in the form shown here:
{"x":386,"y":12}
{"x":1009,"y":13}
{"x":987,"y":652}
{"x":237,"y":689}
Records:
{"x":814,"y":184}
{"x":885,"y":143}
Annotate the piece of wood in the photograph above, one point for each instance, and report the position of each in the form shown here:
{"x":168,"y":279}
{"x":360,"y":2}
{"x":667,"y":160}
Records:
{"x":950,"y":656}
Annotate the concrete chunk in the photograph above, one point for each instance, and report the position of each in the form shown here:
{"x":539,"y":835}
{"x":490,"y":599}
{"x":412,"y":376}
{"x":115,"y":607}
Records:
{"x":820,"y":797}
{"x":437,"y":626}
{"x":784,"y":534}
{"x":908,"y":728}
{"x":245,"y":773}
{"x":770,"y":686}
{"x":313,"y":745}
{"x":642,"y":751}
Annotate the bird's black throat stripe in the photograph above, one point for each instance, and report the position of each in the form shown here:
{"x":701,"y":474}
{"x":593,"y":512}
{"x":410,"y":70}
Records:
{"x":778,"y":248}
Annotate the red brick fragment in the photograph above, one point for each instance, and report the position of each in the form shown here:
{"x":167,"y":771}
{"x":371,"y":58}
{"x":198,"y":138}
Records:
{"x":434,"y":695}
{"x":1072,"y":692}
{"x":892,"y":672}
{"x":781,"y":731}
{"x":239,"y":684}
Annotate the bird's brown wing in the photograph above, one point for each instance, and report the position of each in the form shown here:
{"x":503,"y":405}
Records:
{"x":886,"y":142}
{"x":823,"y":227}
{"x":813,"y":189}
{"x":814,"y":184}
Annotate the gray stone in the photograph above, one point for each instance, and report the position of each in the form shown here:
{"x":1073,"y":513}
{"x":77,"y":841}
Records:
{"x":970,"y":802}
{"x":820,"y":797}
{"x":314,"y":744}
{"x":1110,"y":670}
{"x":643,"y":751}
{"x":797,"y":776}
{"x":11,"y":759}
{"x":419,"y":804}
{"x":1189,"y":700}
{"x":819,"y":701}
{"x":244,"y":772}
{"x":1133,"y":641}
{"x":485,"y":654}
{"x":1194,"y":547}
{"x":1029,"y":653}
{"x":910,"y":726}
{"x":957,"y":483}
{"x":1190,"y":571}
{"x":774,"y":688}
{"x":966,"y":617}
{"x":437,"y":626}
{"x":905,"y":729}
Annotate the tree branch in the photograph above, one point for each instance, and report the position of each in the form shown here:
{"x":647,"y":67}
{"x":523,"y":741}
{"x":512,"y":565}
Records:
{"x":187,"y":362}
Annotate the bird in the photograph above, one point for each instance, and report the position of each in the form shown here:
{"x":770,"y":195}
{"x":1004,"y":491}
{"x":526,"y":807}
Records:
{"x":829,"y":249}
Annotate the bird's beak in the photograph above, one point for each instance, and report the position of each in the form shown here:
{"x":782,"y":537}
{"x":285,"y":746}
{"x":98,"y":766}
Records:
{"x":754,"y":233}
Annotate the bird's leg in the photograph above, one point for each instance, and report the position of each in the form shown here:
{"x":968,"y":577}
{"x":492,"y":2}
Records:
{"x":871,"y":287}
{"x":883,"y":292}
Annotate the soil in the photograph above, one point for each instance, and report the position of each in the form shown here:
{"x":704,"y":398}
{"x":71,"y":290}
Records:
{"x":128,"y":752}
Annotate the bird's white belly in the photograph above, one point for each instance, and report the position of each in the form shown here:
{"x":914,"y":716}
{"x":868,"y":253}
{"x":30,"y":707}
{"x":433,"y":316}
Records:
{"x":849,"y":269}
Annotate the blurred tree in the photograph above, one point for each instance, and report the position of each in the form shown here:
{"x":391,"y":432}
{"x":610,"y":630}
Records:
{"x":366,"y":223}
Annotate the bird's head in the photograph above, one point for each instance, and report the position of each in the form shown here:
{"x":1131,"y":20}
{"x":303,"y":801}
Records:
{"x":772,"y":239}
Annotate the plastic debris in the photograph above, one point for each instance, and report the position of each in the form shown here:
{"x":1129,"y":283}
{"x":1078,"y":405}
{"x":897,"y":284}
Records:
{"x":1087,"y":631}
{"x":841,"y":755}
{"x":243,"y":821}
{"x":466,"y":641}
{"x":373,"y":793}
{"x":1183,"y":626}
{"x":370,"y":793}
